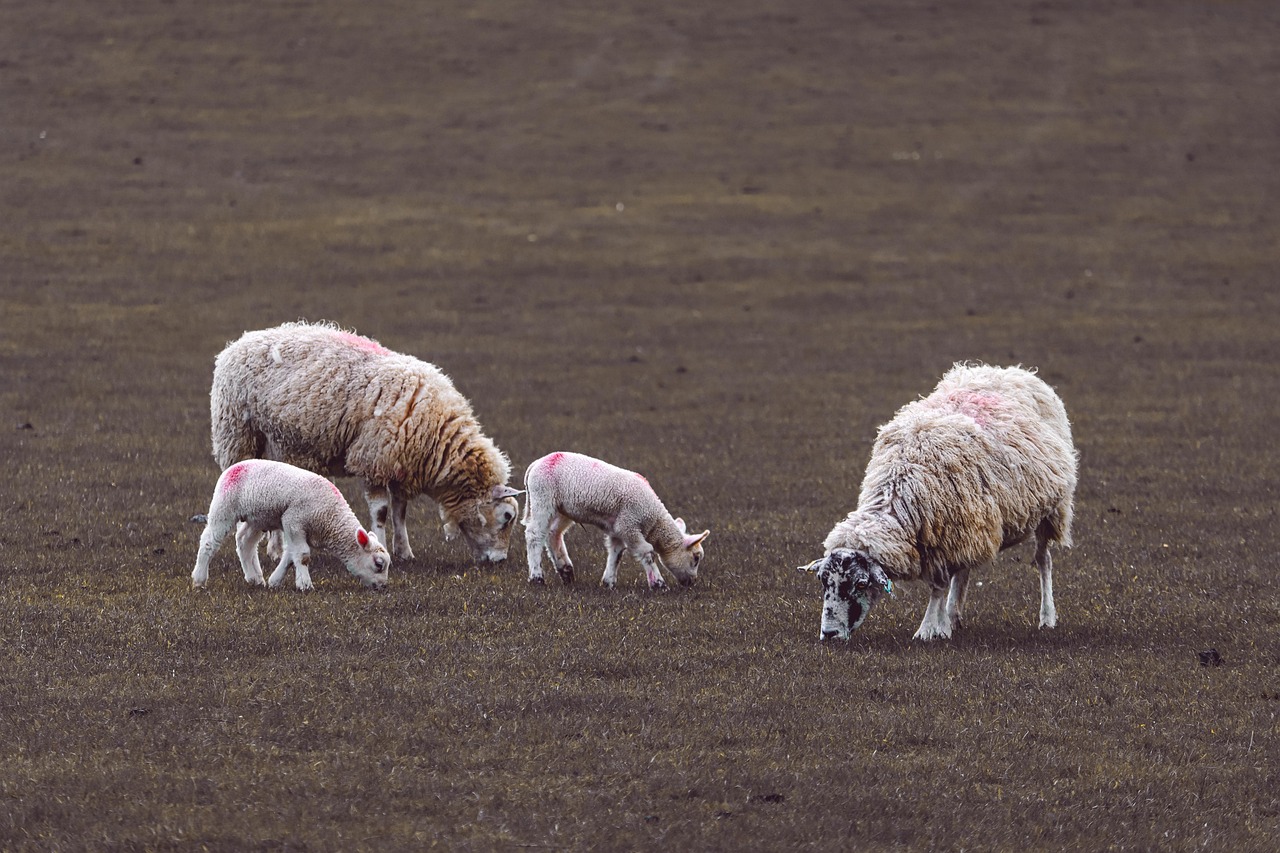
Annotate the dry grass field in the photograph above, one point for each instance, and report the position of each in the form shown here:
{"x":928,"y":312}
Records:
{"x":716,"y":243}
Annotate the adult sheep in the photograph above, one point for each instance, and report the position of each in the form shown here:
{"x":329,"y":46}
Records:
{"x":328,"y":400}
{"x":978,"y":466}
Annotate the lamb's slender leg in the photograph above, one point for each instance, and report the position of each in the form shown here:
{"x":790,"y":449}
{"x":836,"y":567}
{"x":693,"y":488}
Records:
{"x":643,"y":552}
{"x":277,"y":576}
{"x":535,"y":542}
{"x":1044,"y":562}
{"x":379,"y":501}
{"x":616,"y":547}
{"x":275,"y":546}
{"x":956,"y":598}
{"x":247,"y":539}
{"x":215,"y":530}
{"x":555,"y":546}
{"x":400,"y":533}
{"x":935,"y":625}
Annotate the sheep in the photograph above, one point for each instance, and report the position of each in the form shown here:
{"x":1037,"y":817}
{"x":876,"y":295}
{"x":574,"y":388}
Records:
{"x":978,"y":466}
{"x":333,"y":402}
{"x":564,"y":488}
{"x":259,"y":495}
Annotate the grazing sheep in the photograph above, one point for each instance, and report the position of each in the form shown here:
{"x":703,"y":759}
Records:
{"x":979,"y":465}
{"x":333,"y":402}
{"x":258,"y":496}
{"x":564,"y":488}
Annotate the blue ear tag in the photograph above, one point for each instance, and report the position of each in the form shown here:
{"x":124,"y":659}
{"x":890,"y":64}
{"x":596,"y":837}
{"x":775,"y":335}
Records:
{"x":889,"y":588}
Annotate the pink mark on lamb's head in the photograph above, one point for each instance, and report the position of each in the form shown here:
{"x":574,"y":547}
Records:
{"x":362,"y":343}
{"x":233,"y":475}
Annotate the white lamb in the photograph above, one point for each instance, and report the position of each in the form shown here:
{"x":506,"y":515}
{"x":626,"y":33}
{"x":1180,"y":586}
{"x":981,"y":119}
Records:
{"x":333,"y":402}
{"x":979,"y":465}
{"x":258,"y":496}
{"x":564,"y":488}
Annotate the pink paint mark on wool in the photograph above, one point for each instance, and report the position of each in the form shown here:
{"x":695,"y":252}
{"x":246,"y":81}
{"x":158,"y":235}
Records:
{"x":335,"y":488}
{"x":233,"y":475}
{"x":977,"y":405}
{"x":551,"y":462}
{"x":362,"y":343}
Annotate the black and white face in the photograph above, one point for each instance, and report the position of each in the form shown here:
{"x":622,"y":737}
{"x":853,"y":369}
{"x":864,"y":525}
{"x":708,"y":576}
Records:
{"x":851,"y":583}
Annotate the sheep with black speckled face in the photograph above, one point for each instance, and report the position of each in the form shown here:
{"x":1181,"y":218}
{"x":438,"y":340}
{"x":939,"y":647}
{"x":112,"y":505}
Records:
{"x":568,"y":488}
{"x":981,"y":464}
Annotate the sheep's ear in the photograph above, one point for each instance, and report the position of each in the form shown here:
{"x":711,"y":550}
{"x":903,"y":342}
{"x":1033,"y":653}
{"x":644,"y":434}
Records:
{"x":680,"y":524}
{"x":811,"y":568}
{"x":498,"y":493}
{"x":879,"y":578}
{"x":362,"y":538}
{"x":690,"y":541}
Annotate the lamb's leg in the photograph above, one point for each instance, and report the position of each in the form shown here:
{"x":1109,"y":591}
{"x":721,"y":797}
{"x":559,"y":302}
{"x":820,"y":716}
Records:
{"x":643,"y":552}
{"x":277,"y":576}
{"x":556,"y":547}
{"x":247,"y":539}
{"x":215,"y":530}
{"x":616,"y":547}
{"x":378,"y":498}
{"x":275,"y":545}
{"x":1044,"y":562}
{"x":956,"y":598}
{"x":400,"y":533}
{"x":935,"y":624}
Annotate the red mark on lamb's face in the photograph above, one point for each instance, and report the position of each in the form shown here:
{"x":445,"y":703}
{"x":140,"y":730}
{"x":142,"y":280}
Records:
{"x":234,"y":475}
{"x":362,"y":343}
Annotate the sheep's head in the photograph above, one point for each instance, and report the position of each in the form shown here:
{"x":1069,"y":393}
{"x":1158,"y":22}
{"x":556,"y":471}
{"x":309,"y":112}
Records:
{"x":486,"y":524}
{"x":371,"y":561}
{"x":851,"y":583}
{"x":684,"y":561}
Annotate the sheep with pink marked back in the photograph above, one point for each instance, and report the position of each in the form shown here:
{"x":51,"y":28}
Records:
{"x":330,"y":401}
{"x":569,"y":488}
{"x":259,"y":496}
{"x":982,"y":464}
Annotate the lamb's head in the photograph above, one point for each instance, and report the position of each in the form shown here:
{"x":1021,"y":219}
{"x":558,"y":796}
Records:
{"x":851,"y":583}
{"x":370,"y":562}
{"x":684,"y":560}
{"x":485,"y":524}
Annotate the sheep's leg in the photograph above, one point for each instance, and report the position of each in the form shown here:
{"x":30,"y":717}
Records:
{"x":275,"y":545}
{"x":616,"y":547}
{"x":378,"y":498}
{"x":935,"y":624}
{"x":556,"y":548}
{"x":215,"y":530}
{"x":1044,"y":562}
{"x":400,"y":532}
{"x":247,"y":539}
{"x":277,"y":576}
{"x":956,"y":598}
{"x":535,"y":542}
{"x":643,"y":552}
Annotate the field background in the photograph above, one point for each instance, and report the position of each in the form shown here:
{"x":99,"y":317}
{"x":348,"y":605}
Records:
{"x":716,"y":243}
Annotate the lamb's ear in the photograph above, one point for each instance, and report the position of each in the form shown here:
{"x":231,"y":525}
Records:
{"x":498,"y":493}
{"x":362,"y":538}
{"x":690,"y":541}
{"x":680,"y":524}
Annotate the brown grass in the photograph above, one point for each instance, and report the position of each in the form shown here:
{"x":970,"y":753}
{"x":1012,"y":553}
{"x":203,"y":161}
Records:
{"x":716,"y":245}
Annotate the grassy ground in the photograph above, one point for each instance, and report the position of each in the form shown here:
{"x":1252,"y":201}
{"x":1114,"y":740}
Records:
{"x":716,"y":245}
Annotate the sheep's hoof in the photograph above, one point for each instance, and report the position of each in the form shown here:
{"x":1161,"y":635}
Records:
{"x":566,"y":574}
{"x":660,"y":586}
{"x":607,"y":584}
{"x":538,"y":581}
